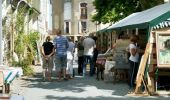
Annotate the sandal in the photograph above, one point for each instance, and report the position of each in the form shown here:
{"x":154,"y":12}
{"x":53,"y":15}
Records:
{"x":131,"y":91}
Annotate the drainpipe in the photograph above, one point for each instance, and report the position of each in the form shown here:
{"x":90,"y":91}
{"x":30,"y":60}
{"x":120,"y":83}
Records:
{"x":1,"y":58}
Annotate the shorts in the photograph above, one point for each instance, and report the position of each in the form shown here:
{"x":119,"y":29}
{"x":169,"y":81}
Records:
{"x":60,"y":62}
{"x":48,"y":63}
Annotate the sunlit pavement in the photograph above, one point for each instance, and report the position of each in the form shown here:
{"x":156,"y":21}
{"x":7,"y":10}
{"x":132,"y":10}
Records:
{"x":79,"y":88}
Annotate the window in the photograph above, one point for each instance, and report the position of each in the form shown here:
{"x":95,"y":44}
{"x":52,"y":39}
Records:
{"x":83,"y":10}
{"x":67,"y":27}
{"x":82,"y":27}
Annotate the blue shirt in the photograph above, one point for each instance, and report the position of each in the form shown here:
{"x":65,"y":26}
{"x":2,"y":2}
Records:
{"x":61,"y":45}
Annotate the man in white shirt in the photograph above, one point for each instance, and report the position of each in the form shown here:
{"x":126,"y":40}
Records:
{"x":89,"y":45}
{"x":70,"y":56}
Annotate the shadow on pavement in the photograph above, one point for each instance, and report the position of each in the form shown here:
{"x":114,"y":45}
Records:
{"x":77,"y":85}
{"x":84,"y":88}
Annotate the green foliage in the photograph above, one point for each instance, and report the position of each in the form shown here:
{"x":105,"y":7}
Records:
{"x":33,"y":37}
{"x":19,"y":45}
{"x":20,"y":21}
{"x":29,"y":1}
{"x":27,"y":70}
{"x":30,"y":11}
{"x":109,"y":11}
{"x":25,"y":44}
{"x":148,"y":4}
{"x":28,"y":43}
{"x":25,"y":64}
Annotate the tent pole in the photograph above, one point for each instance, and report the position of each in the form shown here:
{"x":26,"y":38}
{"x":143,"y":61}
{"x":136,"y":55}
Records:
{"x":137,"y":31}
{"x":127,"y":31}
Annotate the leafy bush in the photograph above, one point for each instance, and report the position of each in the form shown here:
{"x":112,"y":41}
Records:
{"x":25,"y":65}
{"x":25,"y":44}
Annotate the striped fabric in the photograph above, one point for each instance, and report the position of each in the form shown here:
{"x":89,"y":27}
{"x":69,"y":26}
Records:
{"x":10,"y":74}
{"x":61,"y":45}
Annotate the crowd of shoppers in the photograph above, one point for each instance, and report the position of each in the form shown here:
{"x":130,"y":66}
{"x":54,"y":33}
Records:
{"x":60,"y":53}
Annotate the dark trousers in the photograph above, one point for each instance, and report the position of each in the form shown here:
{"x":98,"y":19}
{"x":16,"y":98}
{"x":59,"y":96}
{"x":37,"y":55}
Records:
{"x":88,"y":59}
{"x":80,"y":64}
{"x":133,"y":73}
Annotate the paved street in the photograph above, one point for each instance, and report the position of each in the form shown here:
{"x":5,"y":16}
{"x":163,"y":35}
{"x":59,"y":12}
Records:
{"x":79,"y":88}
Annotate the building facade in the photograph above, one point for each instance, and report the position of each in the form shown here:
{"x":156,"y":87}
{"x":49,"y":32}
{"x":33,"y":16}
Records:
{"x":73,"y":17}
{"x":11,"y":13}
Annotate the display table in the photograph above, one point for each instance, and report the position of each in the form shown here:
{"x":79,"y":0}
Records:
{"x":121,"y":72}
{"x":109,"y":70}
{"x":121,"y":67}
{"x":10,"y":73}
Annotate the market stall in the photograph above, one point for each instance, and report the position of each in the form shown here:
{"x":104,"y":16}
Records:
{"x":142,"y":24}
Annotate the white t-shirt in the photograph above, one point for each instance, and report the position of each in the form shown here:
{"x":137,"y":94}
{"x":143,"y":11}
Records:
{"x":136,"y":57}
{"x":89,"y":45}
{"x":70,"y":50}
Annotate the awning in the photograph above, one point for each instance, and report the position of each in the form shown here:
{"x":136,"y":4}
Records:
{"x":163,"y":24}
{"x":144,"y":19}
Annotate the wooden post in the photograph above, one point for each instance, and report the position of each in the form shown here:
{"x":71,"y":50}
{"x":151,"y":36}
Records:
{"x":141,"y":71}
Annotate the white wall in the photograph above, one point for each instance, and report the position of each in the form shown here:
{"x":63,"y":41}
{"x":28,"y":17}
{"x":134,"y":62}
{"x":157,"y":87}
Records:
{"x":67,"y":11}
{"x":49,"y":16}
{"x":43,"y":17}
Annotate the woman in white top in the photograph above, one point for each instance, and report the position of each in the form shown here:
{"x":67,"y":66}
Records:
{"x":133,"y":59}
